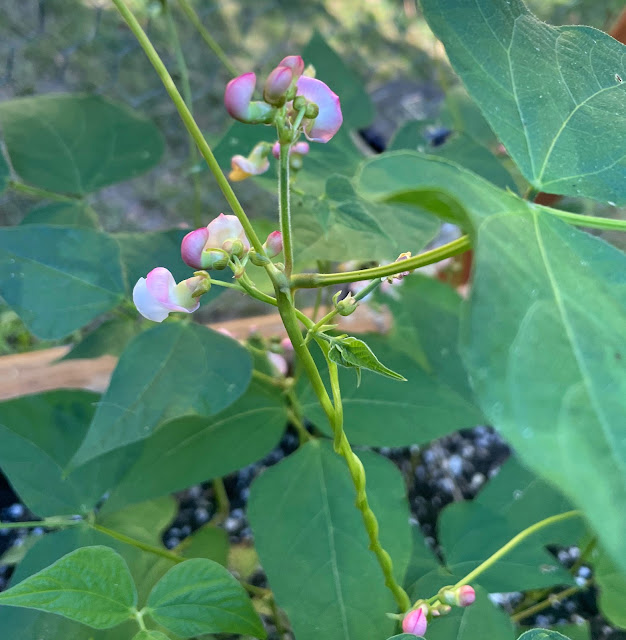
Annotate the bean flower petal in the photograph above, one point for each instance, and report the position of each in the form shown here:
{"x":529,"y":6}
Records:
{"x":225,"y":228}
{"x":156,"y":295}
{"x":327,"y":123}
{"x":301,"y":148}
{"x":242,"y":168}
{"x":295,"y":63}
{"x":276,"y":85}
{"x":415,"y":622}
{"x":238,"y":95}
{"x":192,"y":246}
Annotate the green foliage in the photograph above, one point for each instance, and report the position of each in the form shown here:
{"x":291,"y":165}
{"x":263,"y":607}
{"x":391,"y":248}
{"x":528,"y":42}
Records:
{"x":352,"y":353}
{"x":5,"y":173}
{"x":91,"y":585}
{"x":611,"y":580}
{"x":207,"y":542}
{"x":313,"y":547}
{"x":542,"y":634}
{"x":200,"y":596}
{"x":111,"y":337}
{"x":58,"y":279}
{"x":166,"y":372}
{"x":41,"y":137}
{"x":553,"y":95}
{"x":150,"y":635}
{"x":63,"y":214}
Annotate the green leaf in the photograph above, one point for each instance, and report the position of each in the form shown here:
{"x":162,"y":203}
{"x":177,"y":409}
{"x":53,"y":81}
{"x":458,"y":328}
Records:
{"x":91,"y":585}
{"x":436,"y":185}
{"x":432,"y":403}
{"x":207,"y":542}
{"x":353,"y":353}
{"x":63,"y":214}
{"x":543,"y":340}
{"x":553,"y":95}
{"x":404,"y":636}
{"x":38,"y":435}
{"x":166,"y":372}
{"x":542,"y":634}
{"x":482,"y":620}
{"x":612,"y":583}
{"x":356,"y":105}
{"x":459,"y":147}
{"x":342,"y":224}
{"x":111,"y":337}
{"x":58,"y":279}
{"x":149,"y":634}
{"x":191,"y":450}
{"x":200,"y":596}
{"x":76,"y":143}
{"x":18,"y":623}
{"x":314,"y":548}
{"x":5,"y":173}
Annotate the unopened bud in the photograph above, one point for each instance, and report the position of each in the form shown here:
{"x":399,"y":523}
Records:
{"x":256,"y":259}
{"x":234,"y":247}
{"x":299,"y":103}
{"x":440,"y":610}
{"x":276,"y":85}
{"x":274,"y":244}
{"x":460,"y":597}
{"x":415,"y":622}
{"x":202,"y":284}
{"x":312,"y":111}
{"x":346,"y":306}
{"x":215,"y":259}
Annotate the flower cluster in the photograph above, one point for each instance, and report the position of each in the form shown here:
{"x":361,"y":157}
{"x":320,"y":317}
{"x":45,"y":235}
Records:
{"x":222,"y":243}
{"x":293,"y":101}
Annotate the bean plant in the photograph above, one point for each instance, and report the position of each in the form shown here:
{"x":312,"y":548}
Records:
{"x":535,"y":346}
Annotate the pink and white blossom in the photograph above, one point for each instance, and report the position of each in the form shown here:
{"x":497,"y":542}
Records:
{"x":238,"y":100}
{"x":300,"y":148}
{"x":276,"y":85}
{"x":327,"y":123}
{"x":295,"y":63}
{"x":157,"y":295}
{"x":415,"y":621}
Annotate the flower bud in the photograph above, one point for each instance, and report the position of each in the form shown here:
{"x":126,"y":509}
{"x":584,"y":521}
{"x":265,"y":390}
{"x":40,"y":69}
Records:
{"x":256,"y":259}
{"x":346,"y":306}
{"x":299,"y":103}
{"x":274,"y":244}
{"x":157,"y":295}
{"x":202,"y":284}
{"x":295,"y":63}
{"x":460,"y":597}
{"x":216,"y":259}
{"x":311,"y":111}
{"x":238,"y":101}
{"x":398,"y":276}
{"x":278,"y":363}
{"x":192,"y":246}
{"x":415,"y":622}
{"x":234,"y":247}
{"x":276,"y":85}
{"x":440,"y":610}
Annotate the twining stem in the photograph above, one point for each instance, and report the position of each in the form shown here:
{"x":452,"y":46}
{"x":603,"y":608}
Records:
{"x":311,"y":280}
{"x":549,"y":601}
{"x":190,"y":123}
{"x":295,"y":416}
{"x":593,"y":222}
{"x":207,"y":37}
{"x":36,"y":192}
{"x":284,"y":207}
{"x":47,"y":524}
{"x":513,"y":542}
{"x":221,"y":498}
{"x":157,"y":551}
{"x":187,"y":96}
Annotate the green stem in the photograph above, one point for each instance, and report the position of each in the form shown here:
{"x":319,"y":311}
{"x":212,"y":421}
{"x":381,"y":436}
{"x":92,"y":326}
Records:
{"x":187,"y":96}
{"x":157,"y":551}
{"x":593,"y":222}
{"x":311,"y":280}
{"x":531,"y":193}
{"x":263,"y":377}
{"x":207,"y":37}
{"x":53,"y":523}
{"x":284,"y":207}
{"x":357,"y":473}
{"x":229,"y":285}
{"x":549,"y":601}
{"x":295,"y":417}
{"x":36,"y":192}
{"x":190,"y":123}
{"x":511,"y":544}
{"x":139,"y":619}
{"x":221,"y":498}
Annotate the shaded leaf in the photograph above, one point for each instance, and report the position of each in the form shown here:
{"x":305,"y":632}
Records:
{"x":74,"y":143}
{"x":200,"y":596}
{"x":553,"y":95}
{"x":63,"y":214}
{"x":166,"y":372}
{"x":91,"y":585}
{"x":58,"y":279}
{"x":612,"y":583}
{"x":207,"y":542}
{"x":111,"y":338}
{"x":314,"y":548}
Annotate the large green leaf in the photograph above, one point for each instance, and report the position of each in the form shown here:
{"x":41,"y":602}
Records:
{"x":386,"y":413}
{"x":554,"y":95}
{"x":542,"y":634}
{"x":150,"y":634}
{"x":18,"y":623}
{"x":195,"y":449}
{"x":200,"y":596}
{"x":63,"y":214}
{"x":166,"y":372}
{"x":91,"y":585}
{"x":314,"y":548}
{"x":38,"y":435}
{"x":544,"y":343}
{"x":58,"y":279}
{"x":612,"y":583}
{"x":77,"y":143}
{"x":111,"y":337}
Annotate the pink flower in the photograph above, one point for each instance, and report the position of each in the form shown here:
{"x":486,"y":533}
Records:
{"x":278,"y":363}
{"x":465,"y":595}
{"x":238,"y":101}
{"x":286,"y":344}
{"x":415,"y":622}
{"x":295,"y":63}
{"x":201,"y":248}
{"x":276,"y":85}
{"x":327,"y":123}
{"x":274,"y":244}
{"x":157,"y":295}
{"x":300,"y":148}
